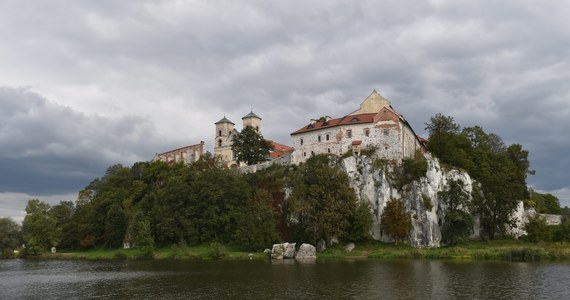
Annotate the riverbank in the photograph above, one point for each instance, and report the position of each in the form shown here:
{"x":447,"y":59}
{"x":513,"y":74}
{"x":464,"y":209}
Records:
{"x":505,"y":250}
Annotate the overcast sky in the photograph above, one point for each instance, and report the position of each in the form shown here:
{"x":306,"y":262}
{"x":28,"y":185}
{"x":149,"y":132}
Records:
{"x":88,"y":84}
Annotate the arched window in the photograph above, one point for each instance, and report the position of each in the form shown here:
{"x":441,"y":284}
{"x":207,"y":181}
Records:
{"x":220,"y":143}
{"x":219,"y":133}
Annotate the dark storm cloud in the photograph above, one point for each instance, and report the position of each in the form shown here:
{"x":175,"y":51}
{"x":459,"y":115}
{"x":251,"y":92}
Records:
{"x":47,"y":148}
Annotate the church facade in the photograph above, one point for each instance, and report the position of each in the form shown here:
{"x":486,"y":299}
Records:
{"x":375,"y":125}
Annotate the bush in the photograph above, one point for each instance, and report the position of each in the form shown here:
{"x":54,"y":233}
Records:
{"x":537,"y":229}
{"x":216,"y":250}
{"x":119,"y":255}
{"x":427,"y":202}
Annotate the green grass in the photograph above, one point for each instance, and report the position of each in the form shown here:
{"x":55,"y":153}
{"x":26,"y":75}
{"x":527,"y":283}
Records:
{"x":508,"y":250}
{"x":173,"y":252}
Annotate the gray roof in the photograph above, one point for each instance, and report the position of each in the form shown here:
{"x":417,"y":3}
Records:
{"x":224,"y":120}
{"x":251,"y":115}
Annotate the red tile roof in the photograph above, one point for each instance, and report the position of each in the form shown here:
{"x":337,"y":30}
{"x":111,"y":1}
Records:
{"x":346,"y":120}
{"x":279,"y":150}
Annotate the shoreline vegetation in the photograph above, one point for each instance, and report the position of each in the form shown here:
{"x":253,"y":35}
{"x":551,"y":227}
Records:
{"x":498,"y":250}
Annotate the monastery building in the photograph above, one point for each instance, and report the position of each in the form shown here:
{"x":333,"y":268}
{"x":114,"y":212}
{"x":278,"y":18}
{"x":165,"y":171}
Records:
{"x":375,"y":125}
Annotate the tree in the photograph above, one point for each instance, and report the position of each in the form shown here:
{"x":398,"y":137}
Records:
{"x":142,"y":236}
{"x":396,"y":221}
{"x":39,"y":227}
{"x":446,"y":142}
{"x":10,"y":237}
{"x":65,"y":222}
{"x":537,"y":229}
{"x":362,"y":223}
{"x":115,"y":226}
{"x":322,"y":202}
{"x":250,"y":147}
{"x":457,"y":222}
{"x":256,"y":223}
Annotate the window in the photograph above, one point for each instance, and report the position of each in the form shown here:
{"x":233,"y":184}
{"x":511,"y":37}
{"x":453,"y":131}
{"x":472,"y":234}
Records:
{"x":328,"y":150}
{"x":349,"y":133}
{"x":304,"y":154}
{"x":319,"y":138}
{"x":367,"y":132}
{"x":301,"y":142}
{"x":327,"y":137}
{"x":385,"y":131}
{"x":219,"y":133}
{"x":312,"y":153}
{"x":220,"y":143}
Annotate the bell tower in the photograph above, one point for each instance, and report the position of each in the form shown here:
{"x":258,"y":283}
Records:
{"x":252,"y":120}
{"x":223,"y":139}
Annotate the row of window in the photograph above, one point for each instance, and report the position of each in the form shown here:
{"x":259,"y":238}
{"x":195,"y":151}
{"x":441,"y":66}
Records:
{"x":348,"y":135}
{"x":313,"y":152}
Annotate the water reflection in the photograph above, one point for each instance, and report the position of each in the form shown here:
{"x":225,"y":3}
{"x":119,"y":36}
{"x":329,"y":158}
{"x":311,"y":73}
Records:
{"x":361,"y":279}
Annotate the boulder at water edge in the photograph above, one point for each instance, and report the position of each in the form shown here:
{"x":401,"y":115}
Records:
{"x":289,"y":250}
{"x":306,"y":251}
{"x":277,"y":251}
{"x":321,"y":245}
{"x":349,"y":247}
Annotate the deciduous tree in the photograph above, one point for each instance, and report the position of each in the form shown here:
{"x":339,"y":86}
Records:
{"x":250,"y":147}
{"x":396,"y":221}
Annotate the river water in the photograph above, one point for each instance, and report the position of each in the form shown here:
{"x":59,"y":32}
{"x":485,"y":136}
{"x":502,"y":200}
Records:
{"x":360,"y":279}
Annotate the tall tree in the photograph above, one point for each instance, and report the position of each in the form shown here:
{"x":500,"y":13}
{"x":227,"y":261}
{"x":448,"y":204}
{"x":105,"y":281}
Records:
{"x":39,"y":227}
{"x":322,"y":201}
{"x":250,"y":147}
{"x":10,"y":237}
{"x":457,"y":222}
{"x":396,"y":221}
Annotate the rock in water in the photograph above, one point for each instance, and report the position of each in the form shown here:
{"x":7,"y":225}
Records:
{"x":277,"y":251}
{"x":306,"y":251}
{"x":349,"y":247}
{"x":289,"y":251}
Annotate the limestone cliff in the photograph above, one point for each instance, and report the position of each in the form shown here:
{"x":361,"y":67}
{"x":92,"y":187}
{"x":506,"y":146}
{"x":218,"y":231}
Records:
{"x":373,"y":185}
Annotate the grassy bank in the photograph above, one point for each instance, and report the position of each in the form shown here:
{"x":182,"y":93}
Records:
{"x":173,"y":252}
{"x":507,"y":250}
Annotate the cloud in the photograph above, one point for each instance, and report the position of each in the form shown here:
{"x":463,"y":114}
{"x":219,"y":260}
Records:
{"x":47,"y":148}
{"x":116,"y":81}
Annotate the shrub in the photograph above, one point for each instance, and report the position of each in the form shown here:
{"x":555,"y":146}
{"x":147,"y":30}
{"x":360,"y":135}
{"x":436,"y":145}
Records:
{"x":537,"y":230}
{"x":216,"y":250}
{"x":427,"y":201}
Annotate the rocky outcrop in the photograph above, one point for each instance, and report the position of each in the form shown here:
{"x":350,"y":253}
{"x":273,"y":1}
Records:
{"x":372,"y":184}
{"x":306,"y":251}
{"x":287,"y":251}
{"x":349,"y":247}
{"x":277,"y":251}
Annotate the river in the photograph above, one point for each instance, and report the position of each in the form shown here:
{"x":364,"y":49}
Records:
{"x":360,"y":279}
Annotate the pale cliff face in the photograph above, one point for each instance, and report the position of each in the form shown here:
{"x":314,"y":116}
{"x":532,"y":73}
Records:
{"x":372,"y":185}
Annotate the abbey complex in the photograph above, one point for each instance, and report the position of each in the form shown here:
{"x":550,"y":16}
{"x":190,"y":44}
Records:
{"x":376,"y":126}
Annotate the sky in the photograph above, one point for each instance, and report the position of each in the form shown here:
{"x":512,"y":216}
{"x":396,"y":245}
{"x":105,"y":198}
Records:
{"x":88,"y":84}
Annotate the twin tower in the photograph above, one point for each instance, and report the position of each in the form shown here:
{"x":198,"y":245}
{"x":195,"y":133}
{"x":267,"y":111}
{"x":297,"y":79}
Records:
{"x":225,"y":133}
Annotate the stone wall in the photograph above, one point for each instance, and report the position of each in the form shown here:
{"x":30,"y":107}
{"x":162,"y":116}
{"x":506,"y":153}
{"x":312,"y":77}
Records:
{"x":283,"y":160}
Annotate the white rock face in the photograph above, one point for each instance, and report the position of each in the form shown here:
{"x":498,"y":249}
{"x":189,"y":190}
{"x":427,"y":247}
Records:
{"x":372,"y":185}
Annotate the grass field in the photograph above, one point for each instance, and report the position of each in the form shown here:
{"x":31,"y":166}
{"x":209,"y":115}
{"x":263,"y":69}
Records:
{"x":508,"y":250}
